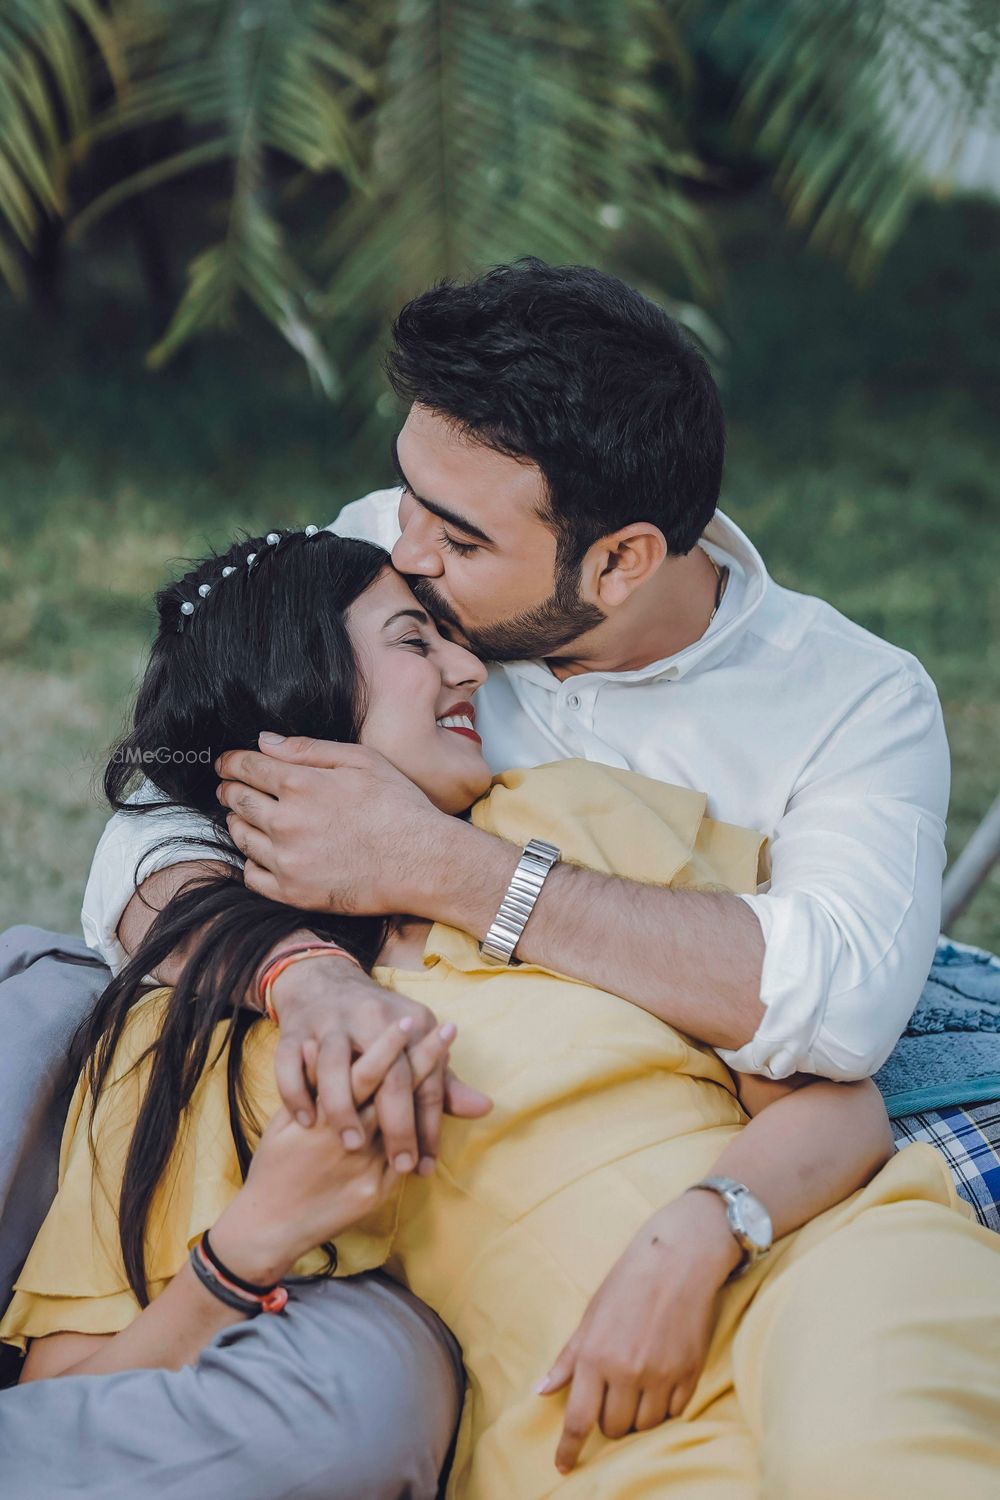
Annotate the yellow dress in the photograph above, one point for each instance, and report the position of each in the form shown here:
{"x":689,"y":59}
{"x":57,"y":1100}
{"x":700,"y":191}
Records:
{"x":602,"y":1114}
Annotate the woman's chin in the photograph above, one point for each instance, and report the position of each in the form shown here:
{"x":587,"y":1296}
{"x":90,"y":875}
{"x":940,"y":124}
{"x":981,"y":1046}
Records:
{"x":456,"y":797}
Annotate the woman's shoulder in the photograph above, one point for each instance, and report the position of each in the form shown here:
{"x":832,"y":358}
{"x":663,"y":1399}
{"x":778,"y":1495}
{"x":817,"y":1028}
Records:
{"x":617,"y":821}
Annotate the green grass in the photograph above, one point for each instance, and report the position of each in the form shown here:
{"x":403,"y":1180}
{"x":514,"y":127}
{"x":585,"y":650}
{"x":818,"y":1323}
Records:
{"x":863,"y":462}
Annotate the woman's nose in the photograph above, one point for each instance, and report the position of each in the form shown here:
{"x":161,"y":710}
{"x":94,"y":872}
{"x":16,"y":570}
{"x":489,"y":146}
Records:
{"x":463,"y":668}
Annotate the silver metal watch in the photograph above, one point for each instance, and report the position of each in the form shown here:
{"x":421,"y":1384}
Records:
{"x":517,"y":905}
{"x":748,"y":1219}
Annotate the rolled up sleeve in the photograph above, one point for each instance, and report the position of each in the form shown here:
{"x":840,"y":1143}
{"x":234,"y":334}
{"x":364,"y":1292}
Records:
{"x":850,"y":916}
{"x":132,"y":847}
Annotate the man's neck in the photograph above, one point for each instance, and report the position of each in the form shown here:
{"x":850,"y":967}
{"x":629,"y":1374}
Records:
{"x":671,"y":612}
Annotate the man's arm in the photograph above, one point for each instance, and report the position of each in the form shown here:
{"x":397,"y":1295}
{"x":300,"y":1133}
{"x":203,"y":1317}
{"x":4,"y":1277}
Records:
{"x":153,"y":895}
{"x":817,"y":974}
{"x":132,"y":850}
{"x":692,"y":958}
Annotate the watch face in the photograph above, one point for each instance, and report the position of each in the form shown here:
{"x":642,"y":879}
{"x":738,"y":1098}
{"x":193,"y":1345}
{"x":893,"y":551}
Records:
{"x":754,"y":1220}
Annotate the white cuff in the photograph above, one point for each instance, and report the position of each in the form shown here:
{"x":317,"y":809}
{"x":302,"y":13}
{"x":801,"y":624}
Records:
{"x":780,"y":1045}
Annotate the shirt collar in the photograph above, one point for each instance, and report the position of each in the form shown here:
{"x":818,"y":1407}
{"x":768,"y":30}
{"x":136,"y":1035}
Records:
{"x":727,"y":545}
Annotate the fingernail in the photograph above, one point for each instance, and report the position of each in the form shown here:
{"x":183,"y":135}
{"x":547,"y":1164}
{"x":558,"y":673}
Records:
{"x":541,"y":1386}
{"x":406,"y":1024}
{"x":268,"y":737}
{"x":404,"y":1162}
{"x":426,"y":1166}
{"x":448,"y":1031}
{"x":304,"y":1119}
{"x":352,"y":1139}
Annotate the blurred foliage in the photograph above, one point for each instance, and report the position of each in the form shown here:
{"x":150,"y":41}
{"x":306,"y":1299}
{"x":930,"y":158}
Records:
{"x":327,"y":158}
{"x":859,"y":107}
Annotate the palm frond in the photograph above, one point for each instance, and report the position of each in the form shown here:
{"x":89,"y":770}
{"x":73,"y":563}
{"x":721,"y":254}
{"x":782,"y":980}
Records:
{"x":47,"y":52}
{"x":263,"y":85}
{"x":541,"y":127}
{"x":865,"y":106}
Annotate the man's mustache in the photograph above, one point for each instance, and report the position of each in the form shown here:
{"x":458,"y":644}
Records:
{"x":429,"y":597}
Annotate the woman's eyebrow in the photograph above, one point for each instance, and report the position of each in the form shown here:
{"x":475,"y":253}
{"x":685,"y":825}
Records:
{"x":413,"y":614}
{"x":452,"y":517}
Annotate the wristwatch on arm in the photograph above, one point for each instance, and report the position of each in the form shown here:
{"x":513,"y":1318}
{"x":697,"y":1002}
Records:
{"x":517,"y":905}
{"x":748,"y":1219}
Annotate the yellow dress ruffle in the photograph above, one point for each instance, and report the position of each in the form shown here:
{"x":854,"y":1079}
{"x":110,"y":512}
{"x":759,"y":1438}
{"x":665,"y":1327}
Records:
{"x":74,"y":1278}
{"x":602,"y":1114}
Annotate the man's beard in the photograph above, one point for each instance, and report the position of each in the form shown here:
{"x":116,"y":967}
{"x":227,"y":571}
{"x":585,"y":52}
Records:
{"x":563,"y":617}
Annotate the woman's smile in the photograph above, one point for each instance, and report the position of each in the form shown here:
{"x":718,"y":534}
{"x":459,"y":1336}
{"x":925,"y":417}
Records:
{"x":461,"y":719}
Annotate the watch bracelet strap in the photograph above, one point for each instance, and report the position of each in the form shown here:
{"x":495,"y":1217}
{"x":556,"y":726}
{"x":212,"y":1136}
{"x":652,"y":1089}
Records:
{"x":537,"y":859}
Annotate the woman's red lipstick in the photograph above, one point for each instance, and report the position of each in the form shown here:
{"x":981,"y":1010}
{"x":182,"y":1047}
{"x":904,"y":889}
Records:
{"x":462,"y":710}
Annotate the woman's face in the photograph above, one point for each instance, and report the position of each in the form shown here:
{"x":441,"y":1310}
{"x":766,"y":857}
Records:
{"x":419,"y":689}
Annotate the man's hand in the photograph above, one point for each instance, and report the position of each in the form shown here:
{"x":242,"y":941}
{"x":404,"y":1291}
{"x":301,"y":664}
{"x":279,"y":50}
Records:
{"x":329,"y":1012}
{"x":638,"y":1352}
{"x":330,"y":827}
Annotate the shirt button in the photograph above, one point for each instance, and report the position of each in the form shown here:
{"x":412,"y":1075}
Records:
{"x":573,"y":700}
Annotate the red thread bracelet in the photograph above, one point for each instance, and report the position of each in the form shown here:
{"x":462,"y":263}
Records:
{"x":287,"y":957}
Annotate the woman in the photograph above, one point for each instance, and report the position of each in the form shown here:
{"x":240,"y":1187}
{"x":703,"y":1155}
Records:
{"x":562,"y":1224}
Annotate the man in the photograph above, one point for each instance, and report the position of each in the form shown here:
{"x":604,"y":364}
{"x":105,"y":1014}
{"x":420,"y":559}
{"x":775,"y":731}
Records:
{"x":560,"y":468}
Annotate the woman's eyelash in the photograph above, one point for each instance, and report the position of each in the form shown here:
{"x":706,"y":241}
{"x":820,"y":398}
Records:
{"x":416,"y":640}
{"x":464,"y":549}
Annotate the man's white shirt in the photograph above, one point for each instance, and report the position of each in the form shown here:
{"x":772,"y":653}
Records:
{"x":795,"y":722}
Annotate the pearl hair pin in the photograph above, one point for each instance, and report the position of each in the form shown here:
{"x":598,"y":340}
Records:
{"x":273,"y":539}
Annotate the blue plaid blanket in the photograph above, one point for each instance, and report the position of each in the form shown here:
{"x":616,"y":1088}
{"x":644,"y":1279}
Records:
{"x":968,"y":1136}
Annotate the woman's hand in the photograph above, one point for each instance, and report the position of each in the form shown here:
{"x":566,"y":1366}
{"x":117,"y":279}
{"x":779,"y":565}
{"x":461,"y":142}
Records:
{"x":637,"y":1354}
{"x":328,"y":1010}
{"x":304,"y":1186}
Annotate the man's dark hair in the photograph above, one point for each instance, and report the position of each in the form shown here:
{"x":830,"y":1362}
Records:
{"x":581,"y":374}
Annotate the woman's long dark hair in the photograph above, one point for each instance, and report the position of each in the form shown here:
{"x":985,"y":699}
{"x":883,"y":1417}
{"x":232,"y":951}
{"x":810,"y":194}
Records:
{"x":267,"y":647}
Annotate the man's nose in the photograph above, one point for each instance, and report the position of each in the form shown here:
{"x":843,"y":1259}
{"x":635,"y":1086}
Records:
{"x":415,"y":553}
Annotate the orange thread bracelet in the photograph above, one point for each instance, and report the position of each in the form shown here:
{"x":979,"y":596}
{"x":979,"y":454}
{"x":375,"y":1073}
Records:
{"x":283,"y":960}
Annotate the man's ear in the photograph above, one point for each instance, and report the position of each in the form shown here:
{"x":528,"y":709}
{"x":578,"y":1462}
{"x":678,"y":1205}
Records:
{"x":622,"y":562}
